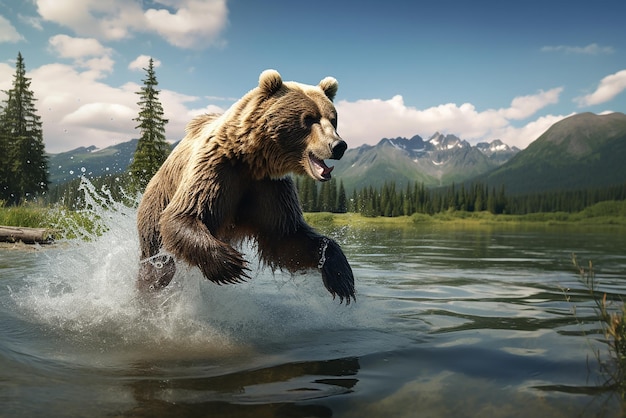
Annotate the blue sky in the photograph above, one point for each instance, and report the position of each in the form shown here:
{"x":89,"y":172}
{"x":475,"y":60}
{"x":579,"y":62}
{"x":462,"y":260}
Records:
{"x":481,"y":70}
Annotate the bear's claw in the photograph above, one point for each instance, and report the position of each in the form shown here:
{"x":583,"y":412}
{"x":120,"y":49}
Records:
{"x":336,"y":272}
{"x":227,"y":266}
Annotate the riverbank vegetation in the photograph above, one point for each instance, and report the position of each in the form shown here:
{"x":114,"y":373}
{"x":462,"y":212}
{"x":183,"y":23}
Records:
{"x":611,"y":314}
{"x":610,"y":214}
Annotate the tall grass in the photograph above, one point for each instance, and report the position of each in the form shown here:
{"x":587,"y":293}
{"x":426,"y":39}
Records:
{"x":82,"y":219}
{"x":29,"y":215}
{"x":611,"y":315}
{"x":61,"y":222}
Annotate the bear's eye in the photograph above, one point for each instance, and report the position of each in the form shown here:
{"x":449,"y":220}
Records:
{"x":309,"y":120}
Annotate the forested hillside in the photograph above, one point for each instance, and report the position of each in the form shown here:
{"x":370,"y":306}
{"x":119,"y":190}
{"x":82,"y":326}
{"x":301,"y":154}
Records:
{"x":580,"y":152}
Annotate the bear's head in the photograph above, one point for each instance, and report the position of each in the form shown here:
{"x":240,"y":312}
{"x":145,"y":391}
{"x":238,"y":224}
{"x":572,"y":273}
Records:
{"x":300,"y":121}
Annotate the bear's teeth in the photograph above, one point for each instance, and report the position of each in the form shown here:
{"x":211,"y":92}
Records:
{"x":320,"y":167}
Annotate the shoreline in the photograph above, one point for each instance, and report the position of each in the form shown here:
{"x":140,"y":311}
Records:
{"x":468,"y":220}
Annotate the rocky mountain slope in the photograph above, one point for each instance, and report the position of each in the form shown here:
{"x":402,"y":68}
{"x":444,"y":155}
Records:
{"x":440,"y":160}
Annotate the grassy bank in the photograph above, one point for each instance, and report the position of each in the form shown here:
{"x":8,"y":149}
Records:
{"x":27,"y":216}
{"x":63,"y":223}
{"x":602,"y":215}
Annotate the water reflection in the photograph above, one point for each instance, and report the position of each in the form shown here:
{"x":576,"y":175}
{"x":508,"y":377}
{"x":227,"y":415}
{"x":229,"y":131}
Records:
{"x":267,"y":392}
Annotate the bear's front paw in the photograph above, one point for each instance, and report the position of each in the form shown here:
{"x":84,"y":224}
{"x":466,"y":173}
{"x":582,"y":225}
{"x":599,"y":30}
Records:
{"x":227,"y":266}
{"x":336,"y":272}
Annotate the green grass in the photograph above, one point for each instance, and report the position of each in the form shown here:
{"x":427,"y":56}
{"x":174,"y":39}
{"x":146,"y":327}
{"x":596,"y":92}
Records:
{"x":605,"y":214}
{"x":601,"y":215}
{"x":27,"y":216}
{"x":62,"y":223}
{"x":612,"y":318}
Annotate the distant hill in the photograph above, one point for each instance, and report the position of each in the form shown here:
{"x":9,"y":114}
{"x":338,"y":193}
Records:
{"x":440,"y":160}
{"x":582,"y":151}
{"x":90,"y":162}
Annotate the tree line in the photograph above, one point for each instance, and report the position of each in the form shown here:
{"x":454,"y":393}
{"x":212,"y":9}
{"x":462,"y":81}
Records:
{"x":391,"y":201}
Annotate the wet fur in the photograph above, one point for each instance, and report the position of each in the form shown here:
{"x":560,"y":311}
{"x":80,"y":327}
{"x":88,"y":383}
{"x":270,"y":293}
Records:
{"x":226,"y":181}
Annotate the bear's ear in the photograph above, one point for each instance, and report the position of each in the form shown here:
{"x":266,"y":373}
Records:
{"x":270,"y":82}
{"x":329,"y":86}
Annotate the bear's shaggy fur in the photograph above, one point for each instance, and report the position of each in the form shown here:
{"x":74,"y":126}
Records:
{"x":227,"y":181}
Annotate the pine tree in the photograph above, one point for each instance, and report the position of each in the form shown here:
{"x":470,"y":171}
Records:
{"x":342,"y":202}
{"x":324,"y":201}
{"x":23,"y":160}
{"x":152,"y":149}
{"x":5,"y":169}
{"x":327,"y":201}
{"x":354,"y":205}
{"x":307,"y":190}
{"x":491,"y":201}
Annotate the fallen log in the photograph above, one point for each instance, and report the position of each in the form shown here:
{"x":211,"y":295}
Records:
{"x":26,"y":235}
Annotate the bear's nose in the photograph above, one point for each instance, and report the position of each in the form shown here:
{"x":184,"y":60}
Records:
{"x":338,"y":148}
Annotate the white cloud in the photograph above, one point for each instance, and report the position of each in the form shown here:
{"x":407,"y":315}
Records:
{"x":7,"y":73}
{"x":521,"y":137}
{"x":184,"y":23}
{"x":77,"y":109}
{"x":85,"y":52}
{"x":610,"y":86}
{"x":591,"y":49}
{"x":367,"y":121}
{"x":142,"y":62}
{"x":110,"y":19}
{"x":176,"y":107}
{"x":70,"y":47}
{"x":101,"y":116}
{"x":8,"y":33}
{"x":195,"y":24}
{"x":525,"y":106}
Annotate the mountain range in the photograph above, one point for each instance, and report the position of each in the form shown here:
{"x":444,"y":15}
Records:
{"x":581,"y":151}
{"x":90,"y":161}
{"x":438,"y":161}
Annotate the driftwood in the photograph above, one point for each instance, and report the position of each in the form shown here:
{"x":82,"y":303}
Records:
{"x":26,"y":235}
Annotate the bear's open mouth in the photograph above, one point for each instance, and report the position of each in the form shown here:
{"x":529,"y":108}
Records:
{"x":319,"y":167}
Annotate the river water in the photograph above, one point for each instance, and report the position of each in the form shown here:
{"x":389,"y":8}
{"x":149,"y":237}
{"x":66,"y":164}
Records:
{"x":448,"y":322}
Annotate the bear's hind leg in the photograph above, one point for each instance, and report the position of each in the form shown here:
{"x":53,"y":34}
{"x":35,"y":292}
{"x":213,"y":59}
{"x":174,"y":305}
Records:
{"x":156,"y":272}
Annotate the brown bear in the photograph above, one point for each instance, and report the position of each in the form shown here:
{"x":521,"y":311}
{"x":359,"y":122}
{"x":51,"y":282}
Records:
{"x":228,"y":180}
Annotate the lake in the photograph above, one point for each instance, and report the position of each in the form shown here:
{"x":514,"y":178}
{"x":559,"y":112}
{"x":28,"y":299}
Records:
{"x":448,"y":322}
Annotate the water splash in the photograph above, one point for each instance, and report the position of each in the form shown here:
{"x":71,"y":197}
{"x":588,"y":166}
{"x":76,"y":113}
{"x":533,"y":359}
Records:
{"x":322,"y":261}
{"x":84,"y":290}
